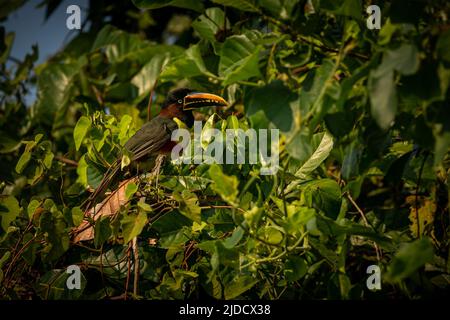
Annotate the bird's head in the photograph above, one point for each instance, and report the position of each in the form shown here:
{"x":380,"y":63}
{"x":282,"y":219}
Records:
{"x":180,"y":103}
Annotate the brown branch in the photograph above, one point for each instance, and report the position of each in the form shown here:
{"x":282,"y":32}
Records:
{"x":128,"y":273}
{"x":13,"y":261}
{"x":136,"y":266}
{"x":366,"y":222}
{"x":67,"y":161}
{"x":98,"y":95}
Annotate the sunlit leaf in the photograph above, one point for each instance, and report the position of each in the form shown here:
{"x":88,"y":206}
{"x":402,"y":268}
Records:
{"x":9,"y":209}
{"x":225,"y":186}
{"x":132,"y":225}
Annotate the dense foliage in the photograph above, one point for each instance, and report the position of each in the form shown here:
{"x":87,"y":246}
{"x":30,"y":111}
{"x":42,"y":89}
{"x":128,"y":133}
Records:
{"x":364,"y":162}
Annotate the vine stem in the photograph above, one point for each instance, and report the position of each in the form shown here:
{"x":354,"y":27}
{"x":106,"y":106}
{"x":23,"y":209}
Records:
{"x":136,"y":266}
{"x":366,"y":222}
{"x":271,"y":257}
{"x":128,"y":272}
{"x":416,"y":199}
{"x":16,"y":256}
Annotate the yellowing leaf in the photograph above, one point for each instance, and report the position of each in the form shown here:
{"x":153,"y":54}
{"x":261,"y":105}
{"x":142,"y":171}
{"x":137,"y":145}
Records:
{"x":423,"y":218}
{"x":10,"y":209}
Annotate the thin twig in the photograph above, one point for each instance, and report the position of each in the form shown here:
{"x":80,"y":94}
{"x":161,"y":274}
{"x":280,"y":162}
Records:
{"x":136,"y":266}
{"x":67,"y":161}
{"x":128,"y":272}
{"x":101,"y":271}
{"x":17,"y":255}
{"x":416,"y":200}
{"x":366,"y":222}
{"x":98,"y":95}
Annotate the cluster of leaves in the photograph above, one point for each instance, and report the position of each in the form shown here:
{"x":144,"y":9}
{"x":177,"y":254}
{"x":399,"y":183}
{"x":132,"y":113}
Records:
{"x":364,"y":162}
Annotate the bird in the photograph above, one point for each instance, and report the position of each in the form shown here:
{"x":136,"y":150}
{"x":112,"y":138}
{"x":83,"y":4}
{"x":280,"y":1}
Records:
{"x":154,"y":137}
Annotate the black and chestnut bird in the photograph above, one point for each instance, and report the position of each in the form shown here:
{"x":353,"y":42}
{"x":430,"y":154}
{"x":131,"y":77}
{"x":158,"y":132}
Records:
{"x":154,"y":138}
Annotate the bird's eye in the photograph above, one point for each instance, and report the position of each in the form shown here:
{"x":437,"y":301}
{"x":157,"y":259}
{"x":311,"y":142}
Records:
{"x":180,"y":101}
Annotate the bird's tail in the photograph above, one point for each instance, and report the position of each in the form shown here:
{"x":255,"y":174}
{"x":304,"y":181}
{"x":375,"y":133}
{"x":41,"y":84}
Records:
{"x":108,"y":178}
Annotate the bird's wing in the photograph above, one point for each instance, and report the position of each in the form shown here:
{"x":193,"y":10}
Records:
{"x":151,"y":137}
{"x":147,"y":140}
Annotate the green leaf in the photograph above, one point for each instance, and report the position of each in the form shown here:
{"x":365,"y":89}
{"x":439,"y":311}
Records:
{"x":174,"y":239}
{"x":53,"y":224}
{"x":206,"y":135}
{"x":351,"y":8}
{"x":189,"y":65}
{"x":26,"y":156}
{"x":233,"y":122}
{"x":238,"y":59}
{"x":53,"y":286}
{"x":156,"y":4}
{"x":111,"y":263}
{"x":144,"y":206}
{"x":409,"y":258}
{"x":245,"y":69}
{"x":383,"y":98}
{"x":124,"y":126}
{"x":9,"y":211}
{"x":8,"y":143}
{"x":188,"y":205}
{"x":295,"y":268}
{"x":81,"y":128}
{"x":300,"y":145}
{"x":5,"y":258}
{"x":244,"y":5}
{"x":225,"y":186}
{"x":77,"y":216}
{"x":314,"y":90}
{"x":238,"y":286}
{"x":132,"y":225}
{"x":23,"y":161}
{"x":279,"y":8}
{"x":94,"y":173}
{"x":56,"y":84}
{"x":324,"y":195}
{"x":352,"y":156}
{"x":130,"y":190}
{"x":117,"y":44}
{"x":329,"y":226}
{"x":31,"y":209}
{"x":275,"y":100}
{"x":404,"y":59}
{"x":296,"y":220}
{"x":8,"y":42}
{"x":210,"y":23}
{"x":125,"y":162}
{"x":146,"y":78}
{"x":232,"y":241}
{"x":382,"y":88}
{"x":319,"y":155}
{"x":102,"y":231}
